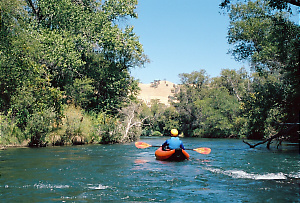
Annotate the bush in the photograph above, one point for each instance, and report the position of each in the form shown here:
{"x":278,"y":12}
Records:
{"x":108,"y":129}
{"x":38,"y":126}
{"x":146,"y":132}
{"x":9,"y":132}
{"x":199,"y":132}
{"x":77,"y":128}
{"x":156,"y":133}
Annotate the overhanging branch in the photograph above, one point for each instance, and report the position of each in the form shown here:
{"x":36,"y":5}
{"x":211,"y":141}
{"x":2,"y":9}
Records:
{"x":294,"y":2}
{"x":226,"y":3}
{"x":269,"y":140}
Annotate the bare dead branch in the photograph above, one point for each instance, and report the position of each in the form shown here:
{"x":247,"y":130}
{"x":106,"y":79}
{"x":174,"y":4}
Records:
{"x":281,"y":133}
{"x":252,"y":146}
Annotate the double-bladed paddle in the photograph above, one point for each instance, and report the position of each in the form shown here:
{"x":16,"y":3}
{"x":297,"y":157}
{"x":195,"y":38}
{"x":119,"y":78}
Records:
{"x":201,"y":150}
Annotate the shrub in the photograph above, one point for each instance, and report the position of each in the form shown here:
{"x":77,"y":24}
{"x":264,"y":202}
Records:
{"x":77,"y":128}
{"x":9,"y":131}
{"x":156,"y":133}
{"x":38,"y":126}
{"x":108,"y":129}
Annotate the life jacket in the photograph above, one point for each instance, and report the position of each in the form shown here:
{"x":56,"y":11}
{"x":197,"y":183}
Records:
{"x":174,"y":143}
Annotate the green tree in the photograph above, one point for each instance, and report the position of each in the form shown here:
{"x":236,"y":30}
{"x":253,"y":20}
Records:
{"x":171,"y":120}
{"x":81,"y":92}
{"x":219,"y":110}
{"x":271,"y":43}
{"x":25,"y":90}
{"x":159,"y":119}
{"x":90,"y":44}
{"x":278,"y":4}
{"x":193,"y":88}
{"x":72,"y":47}
{"x":16,"y":47}
{"x":211,"y":107}
{"x":236,"y":82}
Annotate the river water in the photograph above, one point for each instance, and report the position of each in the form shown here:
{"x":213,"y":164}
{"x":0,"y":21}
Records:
{"x":232,"y":172}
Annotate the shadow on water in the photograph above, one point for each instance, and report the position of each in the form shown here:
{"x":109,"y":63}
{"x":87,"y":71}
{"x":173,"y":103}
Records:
{"x":230,"y":173}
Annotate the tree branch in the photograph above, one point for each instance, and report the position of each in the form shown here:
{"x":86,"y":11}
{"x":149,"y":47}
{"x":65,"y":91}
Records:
{"x":35,"y":10}
{"x":235,"y":92}
{"x":30,"y":4}
{"x":226,"y":3}
{"x":269,"y":140}
{"x":294,"y":2}
{"x":252,"y":146}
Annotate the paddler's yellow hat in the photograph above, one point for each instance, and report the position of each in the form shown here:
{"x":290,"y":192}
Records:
{"x":174,"y":132}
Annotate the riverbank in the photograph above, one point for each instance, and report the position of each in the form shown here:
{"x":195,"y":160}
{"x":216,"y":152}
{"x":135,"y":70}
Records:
{"x":19,"y":145}
{"x":284,"y":146}
{"x":76,"y":127}
{"x":26,"y":144}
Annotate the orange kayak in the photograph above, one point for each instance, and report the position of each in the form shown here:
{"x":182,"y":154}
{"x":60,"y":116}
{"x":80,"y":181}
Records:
{"x":171,"y":155}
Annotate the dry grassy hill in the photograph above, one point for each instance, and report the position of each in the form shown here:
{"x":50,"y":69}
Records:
{"x":159,"y":89}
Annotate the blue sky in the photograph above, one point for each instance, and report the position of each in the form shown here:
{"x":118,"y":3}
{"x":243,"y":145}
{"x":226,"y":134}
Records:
{"x":181,"y":37}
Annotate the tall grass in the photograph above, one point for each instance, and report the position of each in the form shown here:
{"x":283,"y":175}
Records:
{"x":76,"y":128}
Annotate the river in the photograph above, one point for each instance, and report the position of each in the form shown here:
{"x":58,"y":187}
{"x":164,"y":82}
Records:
{"x":232,"y":172}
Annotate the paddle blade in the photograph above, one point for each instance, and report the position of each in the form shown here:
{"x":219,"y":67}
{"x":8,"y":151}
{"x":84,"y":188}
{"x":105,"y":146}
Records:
{"x":203,"y":150}
{"x":142,"y":145}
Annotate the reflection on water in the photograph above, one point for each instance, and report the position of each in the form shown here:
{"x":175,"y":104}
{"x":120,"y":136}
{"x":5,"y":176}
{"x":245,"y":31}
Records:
{"x":230,"y":173}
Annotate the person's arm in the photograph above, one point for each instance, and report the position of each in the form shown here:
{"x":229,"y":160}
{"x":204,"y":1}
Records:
{"x":181,"y":146}
{"x":165,"y":145}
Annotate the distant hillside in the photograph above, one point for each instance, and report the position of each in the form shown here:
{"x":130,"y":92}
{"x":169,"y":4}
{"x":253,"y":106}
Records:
{"x":159,"y":89}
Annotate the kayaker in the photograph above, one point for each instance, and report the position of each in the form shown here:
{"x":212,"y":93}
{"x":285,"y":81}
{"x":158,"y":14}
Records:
{"x":174,"y":142}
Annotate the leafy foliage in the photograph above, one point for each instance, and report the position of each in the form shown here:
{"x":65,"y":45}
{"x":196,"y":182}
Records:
{"x":207,"y":108}
{"x":78,"y":52}
{"x":271,"y":43}
{"x":65,"y":51}
{"x":277,"y":4}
